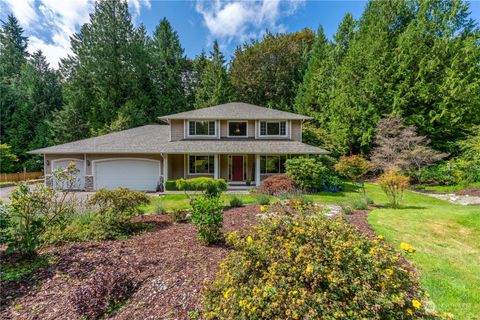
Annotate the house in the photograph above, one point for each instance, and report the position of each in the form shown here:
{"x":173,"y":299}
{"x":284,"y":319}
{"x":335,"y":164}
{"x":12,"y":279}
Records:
{"x":233,"y":141}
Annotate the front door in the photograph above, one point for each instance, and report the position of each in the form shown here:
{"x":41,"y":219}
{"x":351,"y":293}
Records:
{"x":237,"y":168}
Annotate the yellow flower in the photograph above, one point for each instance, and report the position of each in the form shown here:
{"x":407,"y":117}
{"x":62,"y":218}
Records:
{"x":225,"y":295}
{"x":263,"y":208}
{"x":416,"y":304}
{"x":309,"y":269}
{"x":249,"y":240}
{"x":389,"y":271}
{"x":410,"y":311}
{"x":407,"y":247}
{"x":380,"y":237}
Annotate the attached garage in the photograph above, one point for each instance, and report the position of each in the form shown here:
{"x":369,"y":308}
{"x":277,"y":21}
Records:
{"x":135,"y":174}
{"x":79,"y":182}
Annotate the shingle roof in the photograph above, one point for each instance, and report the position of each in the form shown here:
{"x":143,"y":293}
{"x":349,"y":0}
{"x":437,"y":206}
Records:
{"x":235,"y":111}
{"x":145,"y":139}
{"x":155,"y":139}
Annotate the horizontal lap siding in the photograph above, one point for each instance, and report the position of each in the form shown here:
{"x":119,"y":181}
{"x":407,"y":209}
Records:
{"x":177,"y":130}
{"x":296,"y":130}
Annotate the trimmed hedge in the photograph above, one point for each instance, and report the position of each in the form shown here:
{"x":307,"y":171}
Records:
{"x":171,"y":185}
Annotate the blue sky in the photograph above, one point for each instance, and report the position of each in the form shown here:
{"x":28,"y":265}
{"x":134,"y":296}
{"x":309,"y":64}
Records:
{"x":49,"y":23}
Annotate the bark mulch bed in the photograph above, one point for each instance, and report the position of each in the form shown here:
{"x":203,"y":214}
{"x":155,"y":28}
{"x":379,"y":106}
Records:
{"x":473,"y":192}
{"x":168,"y":264}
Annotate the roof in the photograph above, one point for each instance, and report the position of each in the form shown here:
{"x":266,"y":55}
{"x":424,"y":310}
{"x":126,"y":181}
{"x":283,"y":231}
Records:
{"x":231,"y":146}
{"x":155,"y":139}
{"x":145,"y":139}
{"x":235,"y":111}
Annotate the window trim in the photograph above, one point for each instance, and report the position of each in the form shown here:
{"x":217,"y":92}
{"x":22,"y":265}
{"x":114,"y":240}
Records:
{"x":209,"y":164}
{"x":228,"y":128}
{"x":287,"y":129}
{"x":187,"y":128}
{"x":287,"y":156}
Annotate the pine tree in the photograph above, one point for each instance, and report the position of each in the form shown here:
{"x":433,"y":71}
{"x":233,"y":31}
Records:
{"x":168,"y":69}
{"x":214,"y":86}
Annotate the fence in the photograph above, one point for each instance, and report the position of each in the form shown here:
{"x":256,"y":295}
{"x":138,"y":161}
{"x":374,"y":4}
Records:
{"x":20,"y":176}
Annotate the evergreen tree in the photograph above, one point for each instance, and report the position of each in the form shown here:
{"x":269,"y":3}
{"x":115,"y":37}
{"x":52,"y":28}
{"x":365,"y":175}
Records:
{"x":214,"y":86}
{"x":105,"y":76}
{"x":168,"y":69}
{"x":66,"y":125}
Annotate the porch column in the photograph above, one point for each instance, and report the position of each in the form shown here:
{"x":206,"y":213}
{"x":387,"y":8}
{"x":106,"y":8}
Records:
{"x":215,"y":167}
{"x":257,"y":170}
{"x":165,"y":168}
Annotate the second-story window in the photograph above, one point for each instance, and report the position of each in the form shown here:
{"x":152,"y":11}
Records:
{"x":201,"y":128}
{"x":273,"y":128}
{"x":237,"y":128}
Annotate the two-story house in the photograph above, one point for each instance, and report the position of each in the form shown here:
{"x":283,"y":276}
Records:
{"x":233,"y":141}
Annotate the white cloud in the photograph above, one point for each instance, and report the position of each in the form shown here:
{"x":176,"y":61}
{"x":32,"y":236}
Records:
{"x":50,"y":23}
{"x":242,"y":20}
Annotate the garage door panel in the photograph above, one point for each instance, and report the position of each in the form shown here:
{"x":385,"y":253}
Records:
{"x":62,"y":164}
{"x":133,"y":174}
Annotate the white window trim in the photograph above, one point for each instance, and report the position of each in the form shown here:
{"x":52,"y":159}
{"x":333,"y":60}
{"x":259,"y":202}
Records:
{"x":214,"y":136}
{"x":228,"y":128}
{"x":201,"y":174}
{"x":271,"y":155}
{"x":287,"y":129}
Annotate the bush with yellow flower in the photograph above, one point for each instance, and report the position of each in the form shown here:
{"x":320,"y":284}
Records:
{"x":300,"y":264}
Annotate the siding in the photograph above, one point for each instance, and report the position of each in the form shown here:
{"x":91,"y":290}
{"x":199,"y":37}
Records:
{"x":224,"y":128}
{"x":175,"y":166}
{"x":176,"y":130}
{"x":296,"y":130}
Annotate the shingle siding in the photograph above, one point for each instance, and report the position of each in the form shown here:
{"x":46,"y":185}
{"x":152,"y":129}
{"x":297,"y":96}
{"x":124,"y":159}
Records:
{"x":176,"y":130}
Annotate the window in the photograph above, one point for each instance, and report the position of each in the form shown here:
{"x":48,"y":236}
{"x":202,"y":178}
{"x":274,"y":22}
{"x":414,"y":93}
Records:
{"x":237,"y":129}
{"x":272,"y":164}
{"x":201,"y":128}
{"x":273,"y":128}
{"x":201,"y":164}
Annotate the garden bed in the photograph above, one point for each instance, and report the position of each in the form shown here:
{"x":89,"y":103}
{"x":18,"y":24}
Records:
{"x":168,"y":264}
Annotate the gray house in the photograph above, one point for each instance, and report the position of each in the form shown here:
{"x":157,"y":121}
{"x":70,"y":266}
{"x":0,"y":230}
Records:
{"x":233,"y":141}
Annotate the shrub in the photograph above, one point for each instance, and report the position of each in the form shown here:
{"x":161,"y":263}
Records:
{"x":393,"y":184}
{"x":102,"y":292}
{"x":308,"y":173}
{"x":277,"y":184}
{"x":31,"y":212}
{"x":262,"y":199}
{"x":299,"y":264}
{"x":332,"y":183}
{"x":210,"y":186}
{"x":179,"y":215}
{"x":158,"y":207}
{"x":171,"y":185}
{"x":116,"y":207}
{"x":207,"y":216}
{"x":236,"y":201}
{"x":441,"y":174}
{"x":353,"y":167}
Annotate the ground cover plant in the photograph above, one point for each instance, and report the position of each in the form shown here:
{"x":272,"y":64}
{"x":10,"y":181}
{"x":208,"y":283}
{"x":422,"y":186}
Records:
{"x":299,"y":264}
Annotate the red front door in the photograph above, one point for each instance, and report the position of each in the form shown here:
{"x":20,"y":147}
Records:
{"x":237,"y":168}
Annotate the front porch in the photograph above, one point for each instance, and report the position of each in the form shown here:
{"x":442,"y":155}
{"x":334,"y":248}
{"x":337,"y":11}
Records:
{"x":241,"y":171}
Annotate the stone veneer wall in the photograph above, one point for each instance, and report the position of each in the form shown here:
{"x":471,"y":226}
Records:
{"x":88,"y":183}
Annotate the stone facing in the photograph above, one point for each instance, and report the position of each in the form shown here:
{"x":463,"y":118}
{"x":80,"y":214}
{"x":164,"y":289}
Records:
{"x":88,"y":183}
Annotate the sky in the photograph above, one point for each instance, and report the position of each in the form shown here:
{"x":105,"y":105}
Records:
{"x":50,"y":23}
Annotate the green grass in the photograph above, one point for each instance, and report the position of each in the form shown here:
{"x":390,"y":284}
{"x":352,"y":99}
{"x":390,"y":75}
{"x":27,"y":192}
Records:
{"x":447,"y":189}
{"x":447,"y":239}
{"x":172,"y":202}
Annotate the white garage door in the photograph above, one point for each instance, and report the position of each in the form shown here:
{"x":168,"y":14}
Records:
{"x":79,"y":180}
{"x":129,"y":173}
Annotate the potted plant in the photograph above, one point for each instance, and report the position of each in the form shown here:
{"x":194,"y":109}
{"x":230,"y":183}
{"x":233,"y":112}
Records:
{"x":248,"y":182}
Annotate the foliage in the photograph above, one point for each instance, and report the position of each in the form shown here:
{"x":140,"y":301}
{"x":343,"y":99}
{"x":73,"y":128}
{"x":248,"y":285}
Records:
{"x":277,"y":184}
{"x":294,"y":262}
{"x":20,"y":270}
{"x":266,"y":72}
{"x":116,"y":207}
{"x":393,"y":184}
{"x":399,"y":146}
{"x":308,"y":173}
{"x":236,"y":202}
{"x":7,"y":159}
{"x":159,"y":208}
{"x":356,"y":203}
{"x":353,"y":167}
{"x":441,"y":174}
{"x":214,"y":85}
{"x":33,"y":210}
{"x":179,"y":215}
{"x":171,"y":185}
{"x":105,"y":289}
{"x":262,"y":199}
{"x":315,"y":136}
{"x":332,"y":183}
{"x":210,"y":186}
{"x":207,"y":216}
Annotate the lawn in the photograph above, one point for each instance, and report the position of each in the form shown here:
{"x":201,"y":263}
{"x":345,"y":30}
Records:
{"x":447,"y":189}
{"x":446,"y":236}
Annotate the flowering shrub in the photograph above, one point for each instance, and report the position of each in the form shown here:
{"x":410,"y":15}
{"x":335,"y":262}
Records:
{"x":299,"y":264}
{"x":278,"y":184}
{"x":101,"y":293}
{"x":393,"y":184}
{"x":207,"y":216}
